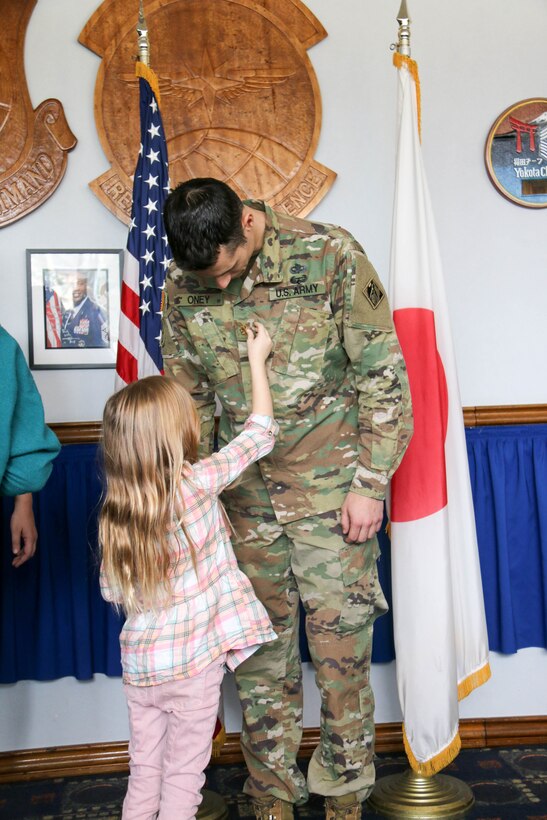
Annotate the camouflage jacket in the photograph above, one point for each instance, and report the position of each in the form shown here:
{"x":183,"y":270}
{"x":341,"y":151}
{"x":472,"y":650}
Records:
{"x":336,"y":372}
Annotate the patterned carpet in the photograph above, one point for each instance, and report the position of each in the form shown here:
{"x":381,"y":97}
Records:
{"x":508,"y":784}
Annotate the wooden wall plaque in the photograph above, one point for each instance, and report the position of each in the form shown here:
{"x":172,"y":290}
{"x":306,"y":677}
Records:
{"x":33,"y":143}
{"x":239,"y":98}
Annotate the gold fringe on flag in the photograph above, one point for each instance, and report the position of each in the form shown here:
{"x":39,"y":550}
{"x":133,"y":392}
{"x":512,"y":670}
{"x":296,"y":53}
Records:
{"x":144,"y":71}
{"x":219,"y":739}
{"x":435,"y":764}
{"x":400,"y":60}
{"x":473,"y":681}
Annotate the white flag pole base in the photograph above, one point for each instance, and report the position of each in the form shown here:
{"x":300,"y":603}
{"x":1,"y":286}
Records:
{"x":213,"y":807}
{"x":414,"y":797}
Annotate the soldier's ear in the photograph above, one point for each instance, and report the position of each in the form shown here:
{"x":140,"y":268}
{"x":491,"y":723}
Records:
{"x":247,"y":219}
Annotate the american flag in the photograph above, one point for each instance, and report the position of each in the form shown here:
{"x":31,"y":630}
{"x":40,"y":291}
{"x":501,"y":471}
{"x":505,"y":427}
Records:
{"x":147,"y":258}
{"x":54,"y":318}
{"x":147,"y":255}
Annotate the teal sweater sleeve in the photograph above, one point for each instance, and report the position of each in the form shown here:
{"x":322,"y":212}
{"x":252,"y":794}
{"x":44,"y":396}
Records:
{"x":27,"y":445}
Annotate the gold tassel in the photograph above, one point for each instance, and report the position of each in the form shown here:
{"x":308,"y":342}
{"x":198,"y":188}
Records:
{"x":400,"y":60}
{"x":144,"y":71}
{"x":218,"y":742}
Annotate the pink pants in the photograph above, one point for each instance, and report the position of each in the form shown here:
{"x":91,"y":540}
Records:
{"x":171,"y":731}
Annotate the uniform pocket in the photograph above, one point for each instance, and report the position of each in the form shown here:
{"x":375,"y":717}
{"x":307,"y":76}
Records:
{"x":214,"y":350}
{"x":301,"y":342}
{"x":358,"y":559}
{"x":365,"y":600}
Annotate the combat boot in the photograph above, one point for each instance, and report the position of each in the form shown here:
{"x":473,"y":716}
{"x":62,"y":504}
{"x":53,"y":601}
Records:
{"x":272,"y":808}
{"x":342,"y":808}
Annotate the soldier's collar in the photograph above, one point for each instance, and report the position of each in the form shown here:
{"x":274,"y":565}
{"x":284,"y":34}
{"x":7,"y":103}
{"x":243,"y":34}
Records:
{"x":267,"y":265}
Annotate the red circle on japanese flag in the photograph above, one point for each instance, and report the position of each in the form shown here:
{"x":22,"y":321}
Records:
{"x":418,"y":488}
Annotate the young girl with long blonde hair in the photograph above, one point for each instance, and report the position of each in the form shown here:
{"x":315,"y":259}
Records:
{"x":168,"y":562}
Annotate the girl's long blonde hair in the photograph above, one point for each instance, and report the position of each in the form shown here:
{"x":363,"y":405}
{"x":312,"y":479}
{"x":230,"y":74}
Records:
{"x":150,"y":430}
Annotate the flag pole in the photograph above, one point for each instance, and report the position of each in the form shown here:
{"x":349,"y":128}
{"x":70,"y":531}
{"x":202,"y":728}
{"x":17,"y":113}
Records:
{"x":213,"y":806}
{"x":410,"y":795}
{"x":142,"y":41}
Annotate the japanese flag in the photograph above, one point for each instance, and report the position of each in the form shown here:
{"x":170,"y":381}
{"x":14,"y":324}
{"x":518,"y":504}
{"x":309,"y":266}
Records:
{"x":440,"y":629}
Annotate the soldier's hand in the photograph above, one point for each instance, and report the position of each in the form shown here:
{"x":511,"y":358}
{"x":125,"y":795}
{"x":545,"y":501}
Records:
{"x":361,"y":517}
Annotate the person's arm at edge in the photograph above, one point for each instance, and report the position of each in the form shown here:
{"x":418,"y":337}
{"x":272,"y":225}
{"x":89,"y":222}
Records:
{"x":32,"y":446}
{"x":23,"y":530}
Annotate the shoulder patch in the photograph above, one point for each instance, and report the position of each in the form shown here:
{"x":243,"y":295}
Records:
{"x":374,"y":293}
{"x":369,"y":304}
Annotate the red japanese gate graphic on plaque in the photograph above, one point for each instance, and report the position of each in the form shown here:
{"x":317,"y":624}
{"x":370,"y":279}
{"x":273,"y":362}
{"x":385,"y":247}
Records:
{"x":239,"y":97}
{"x":33,"y":142}
{"x":516,"y":153}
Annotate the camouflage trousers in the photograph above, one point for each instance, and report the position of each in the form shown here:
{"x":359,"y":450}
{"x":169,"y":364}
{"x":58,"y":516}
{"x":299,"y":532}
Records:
{"x":338,"y":585}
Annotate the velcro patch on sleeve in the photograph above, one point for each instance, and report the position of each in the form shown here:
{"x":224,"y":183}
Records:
{"x":369,"y":304}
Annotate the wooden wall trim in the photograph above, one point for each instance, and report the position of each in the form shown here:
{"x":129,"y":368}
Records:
{"x":88,"y":432}
{"x":108,"y":758}
{"x":505,"y":414}
{"x":77,"y":432}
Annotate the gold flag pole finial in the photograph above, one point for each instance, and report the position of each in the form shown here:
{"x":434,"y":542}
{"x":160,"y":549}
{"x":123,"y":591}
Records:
{"x":143,"y":41}
{"x":403,"y":18}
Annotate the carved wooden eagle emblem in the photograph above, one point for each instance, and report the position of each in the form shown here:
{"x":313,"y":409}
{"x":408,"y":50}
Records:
{"x":239,"y":97}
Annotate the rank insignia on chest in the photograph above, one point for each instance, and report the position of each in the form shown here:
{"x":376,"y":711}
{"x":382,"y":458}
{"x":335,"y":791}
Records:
{"x":299,"y":274}
{"x":241,"y":331}
{"x":199,"y":299}
{"x":374,"y":294}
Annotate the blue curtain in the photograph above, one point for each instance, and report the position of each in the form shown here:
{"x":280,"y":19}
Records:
{"x":508,"y":467}
{"x":55,"y":624}
{"x":54,"y":621}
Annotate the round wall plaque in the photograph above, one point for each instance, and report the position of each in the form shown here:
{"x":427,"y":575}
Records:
{"x":516,"y":153}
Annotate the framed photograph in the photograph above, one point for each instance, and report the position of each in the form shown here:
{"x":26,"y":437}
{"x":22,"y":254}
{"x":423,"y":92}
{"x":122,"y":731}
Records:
{"x":516,"y":153}
{"x":74,"y":308}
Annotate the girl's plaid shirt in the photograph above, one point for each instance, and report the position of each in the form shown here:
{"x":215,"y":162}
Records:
{"x":214,"y":609}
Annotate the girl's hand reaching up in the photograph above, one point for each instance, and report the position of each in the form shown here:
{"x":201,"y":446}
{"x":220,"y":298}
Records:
{"x":259,"y":343}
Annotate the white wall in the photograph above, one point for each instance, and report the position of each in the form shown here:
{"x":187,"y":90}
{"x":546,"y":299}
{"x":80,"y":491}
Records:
{"x":67,"y":711}
{"x":476,"y":58}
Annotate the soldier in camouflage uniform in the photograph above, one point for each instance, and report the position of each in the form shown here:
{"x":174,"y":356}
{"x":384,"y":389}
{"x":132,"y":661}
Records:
{"x":306,"y":516}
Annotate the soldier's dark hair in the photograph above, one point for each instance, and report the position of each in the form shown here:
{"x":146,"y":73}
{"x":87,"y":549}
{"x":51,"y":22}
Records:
{"x":200,"y":215}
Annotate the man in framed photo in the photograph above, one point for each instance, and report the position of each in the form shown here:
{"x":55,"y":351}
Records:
{"x":85,"y":325}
